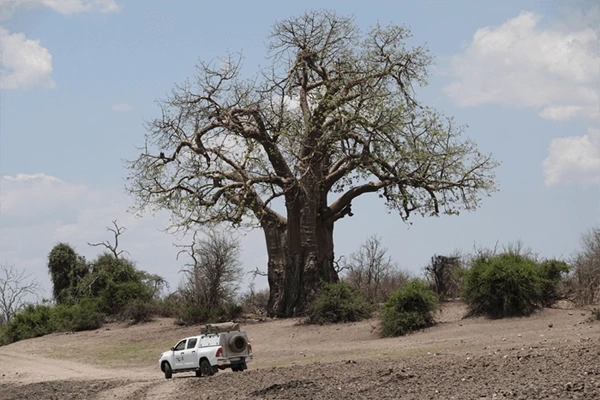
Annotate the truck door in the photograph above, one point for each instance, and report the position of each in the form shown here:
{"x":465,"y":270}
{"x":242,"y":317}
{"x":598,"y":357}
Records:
{"x":178,"y":355}
{"x":190,"y":355}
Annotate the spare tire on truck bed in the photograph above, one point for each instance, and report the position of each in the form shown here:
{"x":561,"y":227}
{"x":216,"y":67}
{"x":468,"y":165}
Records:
{"x":222,"y":327}
{"x":237,"y":343}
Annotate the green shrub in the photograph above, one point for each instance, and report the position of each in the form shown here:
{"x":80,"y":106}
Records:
{"x":193,"y":314}
{"x":552,"y":273}
{"x":338,"y":302}
{"x":33,"y":321}
{"x":169,"y":307}
{"x":504,"y":285}
{"x":39,"y":320}
{"x":82,"y":316}
{"x":408,"y":309}
{"x":116,"y":295}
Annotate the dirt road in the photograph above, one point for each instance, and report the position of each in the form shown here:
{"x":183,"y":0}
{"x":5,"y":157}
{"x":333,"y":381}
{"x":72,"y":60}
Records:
{"x":554,"y":354}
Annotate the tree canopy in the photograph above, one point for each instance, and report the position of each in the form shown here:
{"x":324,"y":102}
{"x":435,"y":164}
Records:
{"x":333,"y":116}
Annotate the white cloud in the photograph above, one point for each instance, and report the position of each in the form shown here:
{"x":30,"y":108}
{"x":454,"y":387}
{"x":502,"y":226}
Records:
{"x":9,"y":7}
{"x":24,"y":63}
{"x":37,"y":211}
{"x":554,"y":70}
{"x":574,"y":159}
{"x":75,"y":6}
{"x":122,"y":107}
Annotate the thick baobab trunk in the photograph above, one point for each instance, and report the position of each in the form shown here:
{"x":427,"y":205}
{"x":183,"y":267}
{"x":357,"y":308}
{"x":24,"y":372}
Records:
{"x":300,"y":260}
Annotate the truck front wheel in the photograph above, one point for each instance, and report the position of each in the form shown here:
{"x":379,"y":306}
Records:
{"x":168,"y":370}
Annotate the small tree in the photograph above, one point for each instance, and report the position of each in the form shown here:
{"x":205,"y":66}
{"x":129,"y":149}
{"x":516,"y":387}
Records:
{"x":372,"y":271}
{"x":585,"y":277}
{"x":67,"y":269}
{"x":15,"y":286}
{"x":442,"y":274}
{"x":212,"y":278}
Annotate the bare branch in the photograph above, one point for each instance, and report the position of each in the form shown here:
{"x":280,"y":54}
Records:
{"x":15,"y":286}
{"x":117,"y":231}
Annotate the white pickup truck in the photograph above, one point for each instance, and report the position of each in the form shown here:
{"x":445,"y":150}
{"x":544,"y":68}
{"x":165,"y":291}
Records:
{"x":206,"y":354}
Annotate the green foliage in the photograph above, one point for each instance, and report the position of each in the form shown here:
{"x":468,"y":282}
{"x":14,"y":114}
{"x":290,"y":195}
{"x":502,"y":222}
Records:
{"x":82,"y":316}
{"x":198,"y":314}
{"x":338,"y":302}
{"x":552,"y":273}
{"x":511,"y":284}
{"x":39,"y":320}
{"x":116,"y":283}
{"x":408,"y":309}
{"x":85,"y":294}
{"x":66,"y":269}
{"x":34,"y":321}
{"x":116,"y":295}
{"x":169,"y":307}
{"x":192,"y":315}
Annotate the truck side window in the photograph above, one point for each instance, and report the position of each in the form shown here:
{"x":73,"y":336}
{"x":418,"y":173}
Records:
{"x":191,"y":343}
{"x":180,"y":345}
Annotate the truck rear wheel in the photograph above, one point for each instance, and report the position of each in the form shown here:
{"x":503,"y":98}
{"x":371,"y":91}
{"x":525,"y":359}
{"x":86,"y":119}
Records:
{"x":205,"y":368}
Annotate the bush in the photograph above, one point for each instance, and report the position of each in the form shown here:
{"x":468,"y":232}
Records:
{"x":255,"y":301}
{"x":34,"y":321}
{"x":139,"y":311}
{"x":338,"y":302}
{"x":39,"y":320}
{"x":551,"y":274}
{"x":192,"y":315}
{"x":169,"y":307}
{"x":116,"y":295}
{"x":507,"y":284}
{"x":82,"y":316}
{"x":229,"y":312}
{"x":408,"y":309}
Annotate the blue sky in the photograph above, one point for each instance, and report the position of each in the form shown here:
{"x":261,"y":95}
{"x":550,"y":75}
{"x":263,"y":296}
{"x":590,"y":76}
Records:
{"x":78,"y":79}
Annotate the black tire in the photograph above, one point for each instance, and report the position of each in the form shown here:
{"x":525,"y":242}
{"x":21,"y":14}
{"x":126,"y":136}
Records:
{"x":238,"y":343}
{"x":168,"y":371}
{"x":205,"y":368}
{"x":198,"y":373}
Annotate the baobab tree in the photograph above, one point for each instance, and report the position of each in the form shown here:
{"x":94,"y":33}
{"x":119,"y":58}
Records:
{"x":333,"y":117}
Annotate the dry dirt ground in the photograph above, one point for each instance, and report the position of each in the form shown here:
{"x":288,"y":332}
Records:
{"x":554,"y":354}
